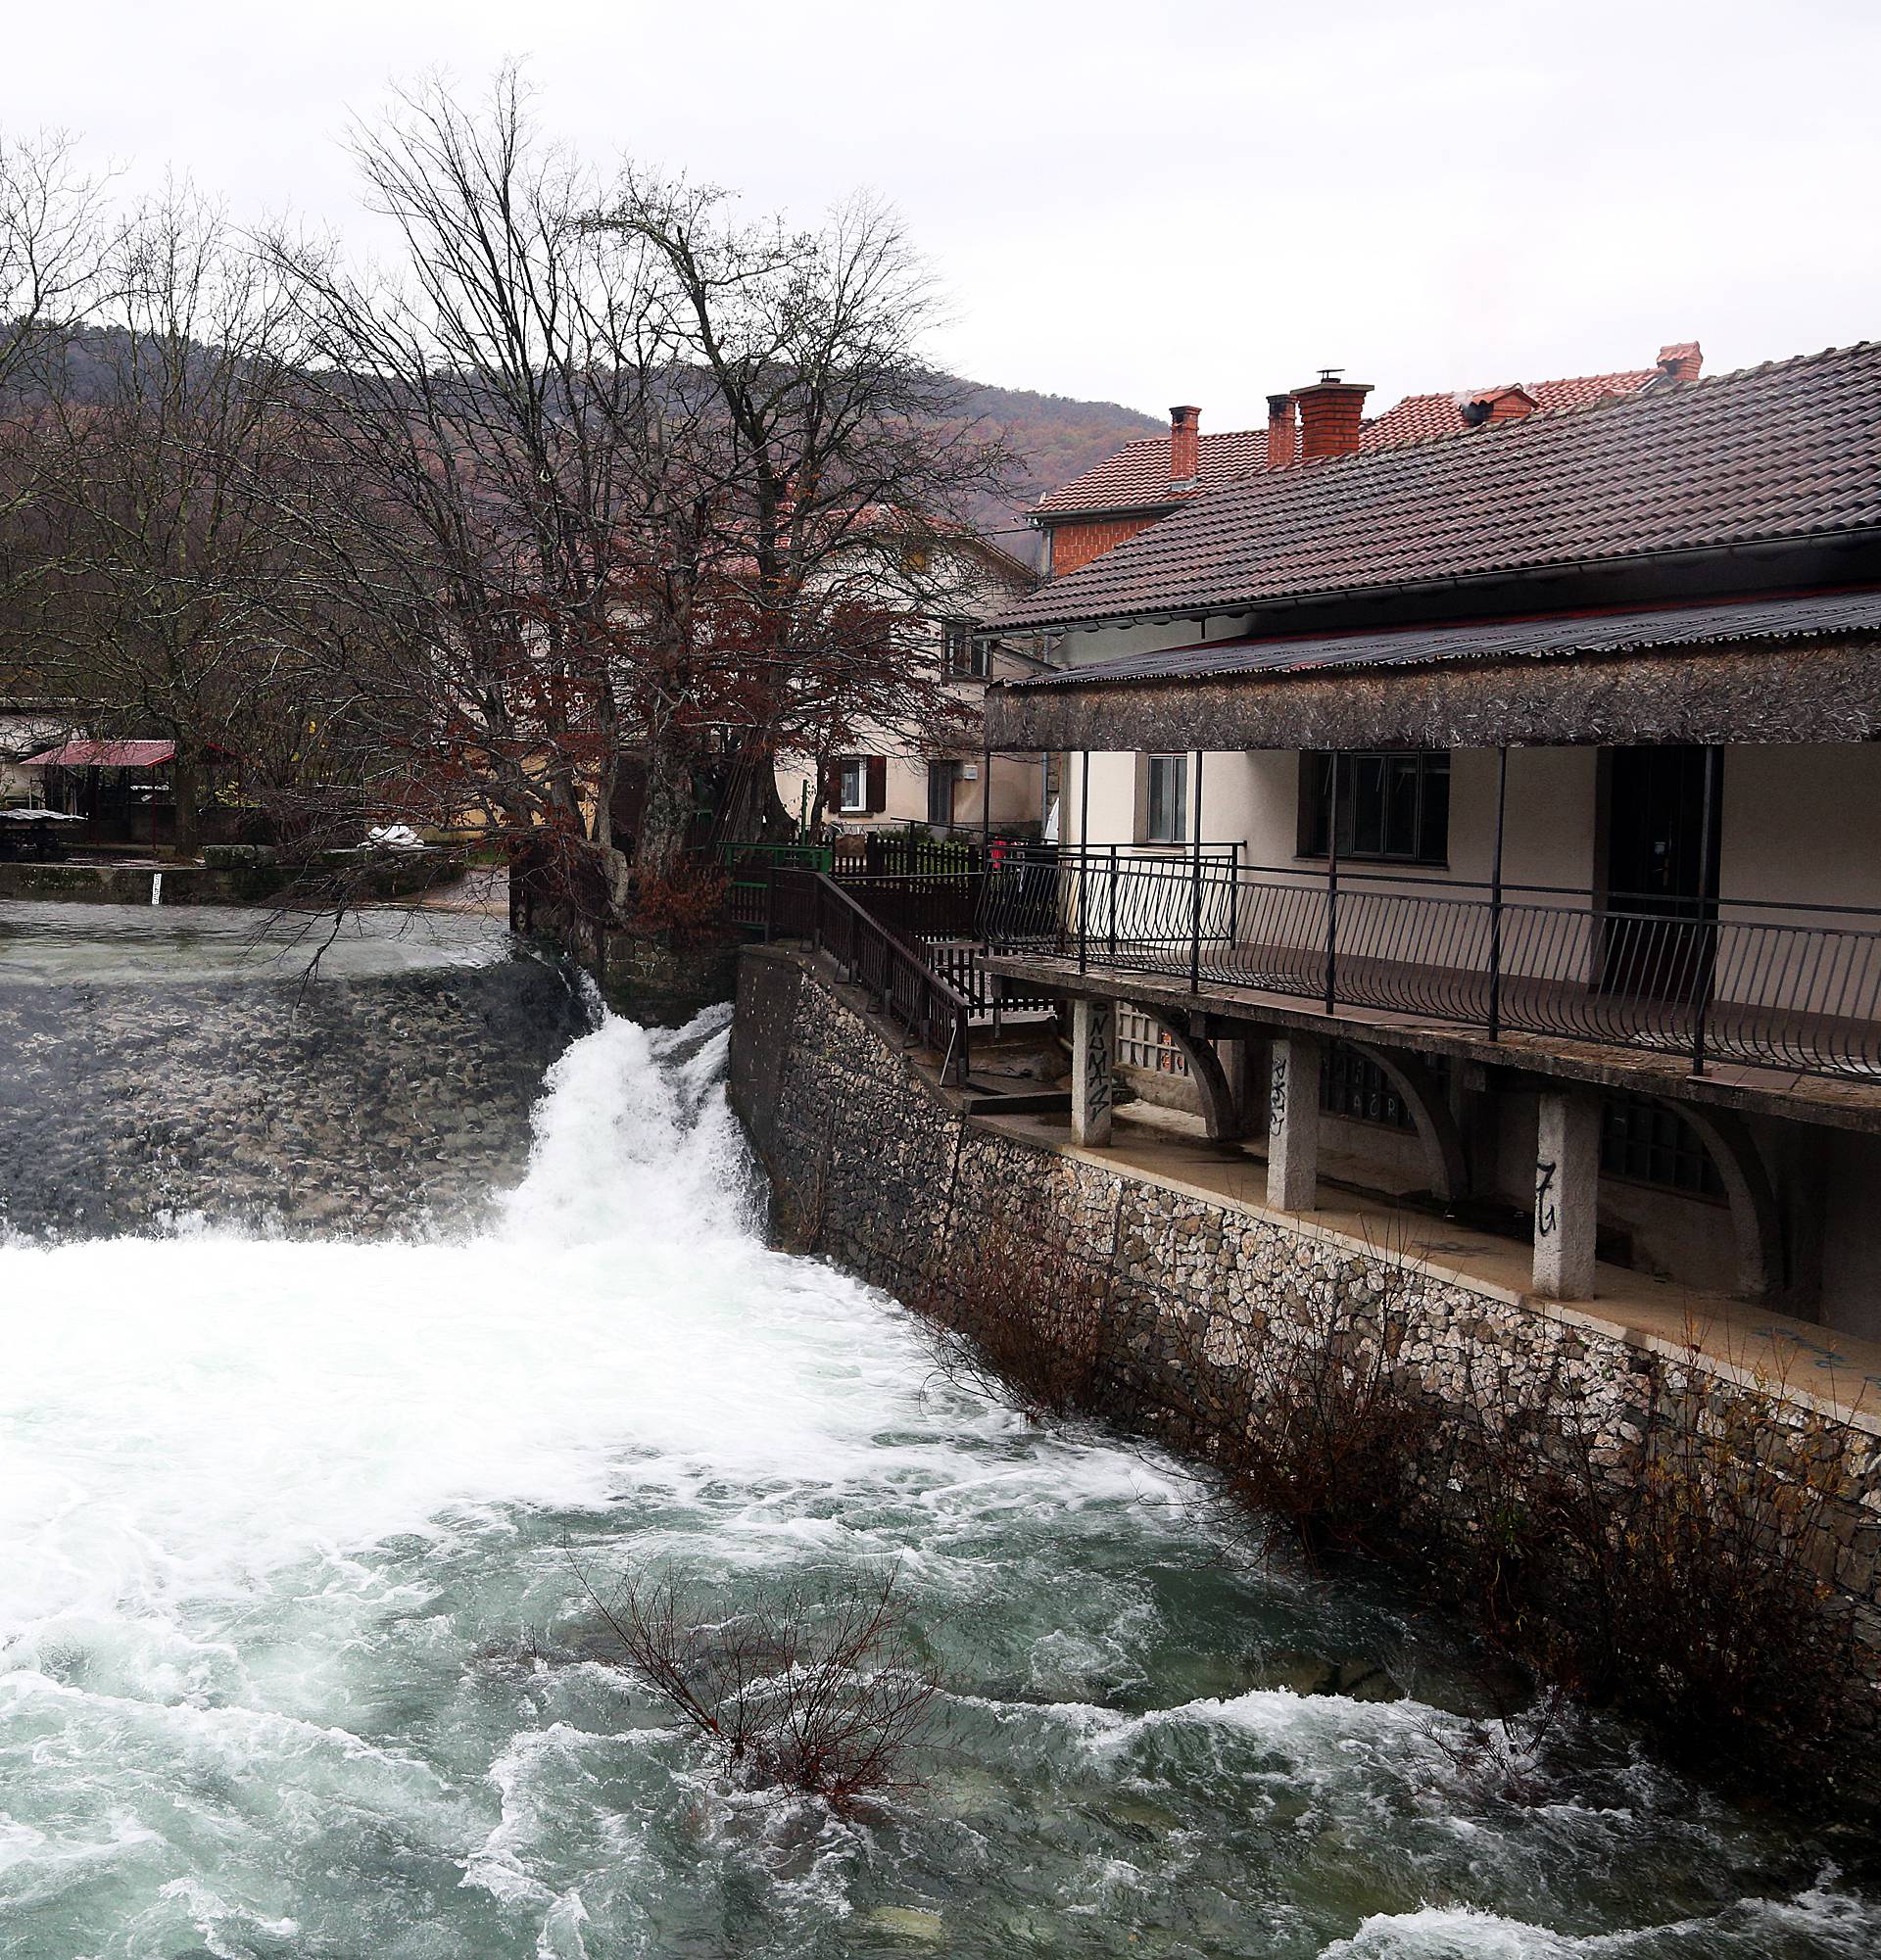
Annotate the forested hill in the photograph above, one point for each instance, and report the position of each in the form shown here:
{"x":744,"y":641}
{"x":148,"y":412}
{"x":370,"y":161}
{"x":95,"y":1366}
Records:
{"x":1057,"y":438}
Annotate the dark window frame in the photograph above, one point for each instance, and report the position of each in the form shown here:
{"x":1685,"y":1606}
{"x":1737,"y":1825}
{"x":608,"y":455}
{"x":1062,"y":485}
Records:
{"x":963,"y":653}
{"x":1394,"y":806}
{"x":1647,"y":1142}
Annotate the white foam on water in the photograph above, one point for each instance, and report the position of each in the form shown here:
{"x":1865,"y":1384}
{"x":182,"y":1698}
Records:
{"x":260,"y":1500}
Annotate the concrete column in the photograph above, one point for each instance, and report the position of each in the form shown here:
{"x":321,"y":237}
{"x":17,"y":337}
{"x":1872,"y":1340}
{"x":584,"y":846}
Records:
{"x":1093,"y":1068}
{"x":1567,"y":1193}
{"x":1293,"y":1121}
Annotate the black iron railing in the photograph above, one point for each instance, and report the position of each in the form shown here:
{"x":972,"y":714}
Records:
{"x":896,"y":971}
{"x":1775,"y":986}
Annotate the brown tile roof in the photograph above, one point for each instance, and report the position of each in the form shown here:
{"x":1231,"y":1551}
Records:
{"x":1136,"y":477}
{"x":1837,"y":615}
{"x":1418,"y":418}
{"x":1778,"y":451}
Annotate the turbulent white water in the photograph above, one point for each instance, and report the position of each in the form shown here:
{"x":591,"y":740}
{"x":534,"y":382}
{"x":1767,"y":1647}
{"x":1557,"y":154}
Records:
{"x":291,"y":1654}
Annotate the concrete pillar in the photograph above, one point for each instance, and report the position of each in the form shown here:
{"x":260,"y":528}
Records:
{"x":1293,"y":1121}
{"x":1093,"y":1068}
{"x":1567,"y":1193}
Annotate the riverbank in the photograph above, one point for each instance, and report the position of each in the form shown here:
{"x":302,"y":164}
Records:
{"x":1187,"y":1300}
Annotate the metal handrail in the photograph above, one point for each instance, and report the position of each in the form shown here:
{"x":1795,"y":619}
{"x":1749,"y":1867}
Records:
{"x":1730,"y":980}
{"x":907,"y":988}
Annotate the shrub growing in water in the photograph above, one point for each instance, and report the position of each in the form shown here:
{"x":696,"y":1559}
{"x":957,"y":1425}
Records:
{"x":820,"y":1690}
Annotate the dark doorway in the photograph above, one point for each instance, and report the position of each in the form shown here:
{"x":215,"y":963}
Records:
{"x":1662,"y":814}
{"x":942,"y":779}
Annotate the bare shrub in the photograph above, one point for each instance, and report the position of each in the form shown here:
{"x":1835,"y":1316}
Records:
{"x":683,"y":906}
{"x":815,"y":1690}
{"x":1309,"y":1416}
{"x":1510,"y":1759}
{"x":1022,"y":1322}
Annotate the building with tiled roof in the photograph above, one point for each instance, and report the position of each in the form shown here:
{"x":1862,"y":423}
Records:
{"x":1146,"y":480}
{"x":1792,"y":449}
{"x":1504,"y":807}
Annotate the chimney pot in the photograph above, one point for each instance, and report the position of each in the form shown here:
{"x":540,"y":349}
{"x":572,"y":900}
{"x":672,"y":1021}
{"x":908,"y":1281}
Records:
{"x":1331,"y":415}
{"x":1682,"y":360}
{"x":1184,"y":445}
{"x":1282,"y":433}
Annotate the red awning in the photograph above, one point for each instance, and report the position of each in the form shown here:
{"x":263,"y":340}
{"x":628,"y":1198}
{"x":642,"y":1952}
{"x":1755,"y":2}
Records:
{"x":105,"y":755}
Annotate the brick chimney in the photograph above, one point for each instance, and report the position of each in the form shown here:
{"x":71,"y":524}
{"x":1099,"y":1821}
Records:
{"x":1331,"y":413}
{"x":1282,"y":433}
{"x":1498,"y":405}
{"x":1682,"y":361}
{"x":1184,"y":446}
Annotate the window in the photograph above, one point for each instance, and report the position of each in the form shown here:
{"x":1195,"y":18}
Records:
{"x":1353,"y":1085}
{"x":1393,"y":806}
{"x":1647,"y":1143}
{"x":1166,"y":800}
{"x":962,"y":651}
{"x":942,"y":778}
{"x":853,"y":779}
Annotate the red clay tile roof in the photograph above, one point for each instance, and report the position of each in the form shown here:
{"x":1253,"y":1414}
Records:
{"x":1136,"y":477}
{"x":105,"y":755}
{"x":1784,"y":451}
{"x":1418,"y":418}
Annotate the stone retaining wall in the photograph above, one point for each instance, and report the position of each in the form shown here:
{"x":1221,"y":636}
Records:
{"x":872,"y":1166}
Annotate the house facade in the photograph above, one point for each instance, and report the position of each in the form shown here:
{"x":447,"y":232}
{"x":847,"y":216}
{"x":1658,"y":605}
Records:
{"x":891,"y":779}
{"x":1494,"y":823}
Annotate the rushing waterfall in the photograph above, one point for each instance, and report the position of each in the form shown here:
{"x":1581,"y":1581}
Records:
{"x":293,"y":1661}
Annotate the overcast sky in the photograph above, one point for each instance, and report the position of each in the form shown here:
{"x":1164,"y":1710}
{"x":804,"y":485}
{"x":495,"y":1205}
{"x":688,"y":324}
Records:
{"x":1144,"y":203}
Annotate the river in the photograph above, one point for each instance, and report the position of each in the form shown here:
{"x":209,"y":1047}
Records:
{"x":293,"y":1662}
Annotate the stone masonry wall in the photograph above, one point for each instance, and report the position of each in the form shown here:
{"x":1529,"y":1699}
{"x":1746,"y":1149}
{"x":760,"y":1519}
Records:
{"x":875,"y":1169}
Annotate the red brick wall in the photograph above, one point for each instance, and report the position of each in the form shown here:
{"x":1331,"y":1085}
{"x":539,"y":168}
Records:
{"x":1075,"y":545}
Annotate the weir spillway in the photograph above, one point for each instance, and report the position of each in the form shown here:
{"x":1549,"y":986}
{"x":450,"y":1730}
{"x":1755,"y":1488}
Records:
{"x":293,"y":1661}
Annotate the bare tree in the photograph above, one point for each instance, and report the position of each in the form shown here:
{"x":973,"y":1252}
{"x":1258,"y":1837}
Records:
{"x":53,"y":240}
{"x":843,"y":471}
{"x":165,"y":589}
{"x":620,"y":481}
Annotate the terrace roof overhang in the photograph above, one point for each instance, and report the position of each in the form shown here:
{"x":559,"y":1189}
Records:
{"x":1801,"y":667}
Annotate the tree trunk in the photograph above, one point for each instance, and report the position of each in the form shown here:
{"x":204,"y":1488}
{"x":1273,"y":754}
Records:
{"x":667,"y":815}
{"x":186,"y":782}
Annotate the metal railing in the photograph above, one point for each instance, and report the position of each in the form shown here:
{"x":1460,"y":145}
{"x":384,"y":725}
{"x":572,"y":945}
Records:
{"x":906,"y":986}
{"x":1791,"y":985}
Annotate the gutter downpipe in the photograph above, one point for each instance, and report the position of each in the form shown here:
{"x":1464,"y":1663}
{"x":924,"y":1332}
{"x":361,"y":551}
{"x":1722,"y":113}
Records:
{"x":1084,"y":858}
{"x":1332,"y":884}
{"x":1495,"y":898}
{"x":1196,"y":888}
{"x":1706,"y":939}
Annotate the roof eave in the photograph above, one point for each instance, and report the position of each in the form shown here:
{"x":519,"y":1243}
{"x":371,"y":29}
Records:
{"x":1214,"y":608}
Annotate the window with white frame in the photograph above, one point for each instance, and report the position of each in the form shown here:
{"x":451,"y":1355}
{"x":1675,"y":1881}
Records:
{"x":852,"y":783}
{"x":1166,"y":799}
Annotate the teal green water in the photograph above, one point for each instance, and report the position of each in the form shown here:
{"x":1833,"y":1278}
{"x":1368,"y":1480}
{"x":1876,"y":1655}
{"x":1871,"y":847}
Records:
{"x":292,"y":1663}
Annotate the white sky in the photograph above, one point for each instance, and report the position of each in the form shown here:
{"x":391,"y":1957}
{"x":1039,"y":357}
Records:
{"x":1191,"y":202}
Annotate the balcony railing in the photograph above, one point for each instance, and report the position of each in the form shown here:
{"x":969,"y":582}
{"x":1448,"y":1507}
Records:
{"x":1787,"y":986}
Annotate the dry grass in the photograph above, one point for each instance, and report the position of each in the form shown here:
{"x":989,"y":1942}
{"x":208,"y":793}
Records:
{"x":1025,"y":1323}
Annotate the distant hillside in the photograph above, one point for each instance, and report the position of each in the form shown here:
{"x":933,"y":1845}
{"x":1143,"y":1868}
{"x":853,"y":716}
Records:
{"x":1057,"y":438}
